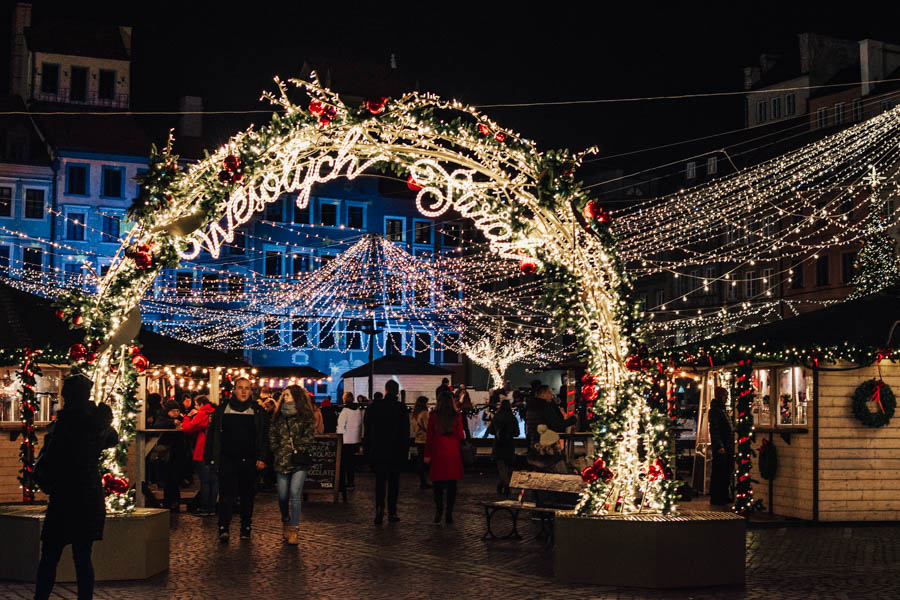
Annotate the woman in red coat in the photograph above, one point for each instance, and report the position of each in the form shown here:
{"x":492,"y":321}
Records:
{"x":445,"y":432}
{"x":196,"y":423}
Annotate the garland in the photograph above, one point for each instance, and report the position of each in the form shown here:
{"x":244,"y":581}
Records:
{"x":744,"y":504}
{"x":877,"y":391}
{"x":29,"y":373}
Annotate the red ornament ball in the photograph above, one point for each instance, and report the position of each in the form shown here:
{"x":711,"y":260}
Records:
{"x":232,"y":162}
{"x":143,"y":260}
{"x":599,"y":463}
{"x":634,"y":363}
{"x":60,"y":314}
{"x":330,"y":112}
{"x":224,"y":176}
{"x":589,"y":393}
{"x":589,"y":475}
{"x":78,"y":320}
{"x":237,"y":177}
{"x":324,"y":121}
{"x":484,"y":129}
{"x":528,"y":266}
{"x":376,"y":105}
{"x":412,"y":184}
{"x":140,"y":363}
{"x":77,"y":351}
{"x":500,"y":137}
{"x":316,"y":108}
{"x":90,"y":357}
{"x":606,"y":475}
{"x":135,"y":350}
{"x":596,"y":211}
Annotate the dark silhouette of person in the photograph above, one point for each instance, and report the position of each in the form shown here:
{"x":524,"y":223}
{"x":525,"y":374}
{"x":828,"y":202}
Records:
{"x":387,"y":447}
{"x":721,"y":439}
{"x":76,"y":513}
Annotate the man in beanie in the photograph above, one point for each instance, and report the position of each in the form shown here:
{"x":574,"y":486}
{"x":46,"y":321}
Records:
{"x":236,"y":447}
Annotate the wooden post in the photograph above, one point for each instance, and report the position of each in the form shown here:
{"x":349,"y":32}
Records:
{"x":214,"y":379}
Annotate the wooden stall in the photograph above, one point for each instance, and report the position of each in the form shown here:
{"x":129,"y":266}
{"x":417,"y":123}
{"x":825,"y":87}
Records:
{"x":830,"y":465}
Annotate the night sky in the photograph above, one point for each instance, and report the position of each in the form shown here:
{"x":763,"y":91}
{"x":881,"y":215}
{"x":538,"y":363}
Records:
{"x":518,"y":54}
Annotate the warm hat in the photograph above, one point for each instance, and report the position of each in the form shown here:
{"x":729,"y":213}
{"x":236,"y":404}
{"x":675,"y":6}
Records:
{"x":76,"y":389}
{"x":172,"y":405}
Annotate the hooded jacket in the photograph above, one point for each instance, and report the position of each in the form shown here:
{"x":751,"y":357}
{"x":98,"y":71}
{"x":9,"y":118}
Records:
{"x":350,"y":422}
{"x":197,"y":425}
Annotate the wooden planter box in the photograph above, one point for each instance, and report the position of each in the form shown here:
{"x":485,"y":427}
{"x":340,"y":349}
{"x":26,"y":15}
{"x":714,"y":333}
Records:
{"x":134,"y":546}
{"x":688,"y":549}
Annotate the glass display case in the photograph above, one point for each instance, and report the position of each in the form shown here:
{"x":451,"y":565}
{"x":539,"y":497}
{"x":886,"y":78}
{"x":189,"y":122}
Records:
{"x":762,"y":397}
{"x":47,"y":389}
{"x":794,"y":392}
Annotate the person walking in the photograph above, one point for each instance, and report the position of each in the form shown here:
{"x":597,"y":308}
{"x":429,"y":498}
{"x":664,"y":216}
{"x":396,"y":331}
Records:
{"x":504,"y":427}
{"x":444,"y":433}
{"x":76,"y":512}
{"x":721,"y":440}
{"x":291,"y":436}
{"x":175,"y":452}
{"x":418,"y":423}
{"x":317,"y":413}
{"x":236,"y":449}
{"x":387,"y":447}
{"x":196,"y":423}
{"x":349,"y":425}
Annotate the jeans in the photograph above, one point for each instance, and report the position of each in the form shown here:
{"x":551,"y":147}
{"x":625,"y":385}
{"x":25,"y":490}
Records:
{"x":720,"y":478}
{"x":209,"y":486}
{"x":439,"y":487}
{"x":348,"y":466}
{"x":387,"y":475}
{"x":290,"y":492}
{"x":237,"y":478}
{"x":46,"y":572}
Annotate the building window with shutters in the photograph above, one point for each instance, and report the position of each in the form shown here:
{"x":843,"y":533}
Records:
{"x":77,"y":180}
{"x":762,"y":111}
{"x":822,"y":118}
{"x":822,"y":270}
{"x":838,"y":113}
{"x":790,"y":104}
{"x":34,"y":204}
{"x":712,"y":165}
{"x":75,"y":226}
{"x":395,"y":228}
{"x":690,"y":170}
{"x":776,"y":108}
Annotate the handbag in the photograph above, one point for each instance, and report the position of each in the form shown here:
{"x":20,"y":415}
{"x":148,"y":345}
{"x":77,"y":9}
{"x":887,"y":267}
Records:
{"x":298,"y":459}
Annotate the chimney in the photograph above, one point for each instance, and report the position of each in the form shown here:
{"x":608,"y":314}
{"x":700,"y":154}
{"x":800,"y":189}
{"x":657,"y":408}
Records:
{"x":125,"y":33}
{"x":18,"y":62}
{"x":752,"y":75}
{"x":803,"y":45}
{"x":393,"y":61}
{"x":767,"y":62}
{"x":190,"y":126}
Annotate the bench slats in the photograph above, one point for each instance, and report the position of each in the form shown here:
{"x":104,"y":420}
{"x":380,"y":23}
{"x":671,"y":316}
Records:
{"x":547,"y":482}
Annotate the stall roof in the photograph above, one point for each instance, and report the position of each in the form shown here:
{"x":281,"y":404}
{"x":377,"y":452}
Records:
{"x":163,"y":350}
{"x":300,"y":372}
{"x":397,"y":365}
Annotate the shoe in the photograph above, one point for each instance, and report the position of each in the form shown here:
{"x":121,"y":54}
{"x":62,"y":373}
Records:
{"x":393,"y":518}
{"x":379,"y":516}
{"x":292,"y":534}
{"x":223,"y":534}
{"x":285,"y":528}
{"x":437,"y":515}
{"x":449,"y":519}
{"x":245,"y":532}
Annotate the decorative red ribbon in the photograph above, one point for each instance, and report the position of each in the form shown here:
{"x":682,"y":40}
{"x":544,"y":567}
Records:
{"x":876,"y":395}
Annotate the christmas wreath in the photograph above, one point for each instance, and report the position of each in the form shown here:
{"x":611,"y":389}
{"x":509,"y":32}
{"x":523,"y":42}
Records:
{"x":877,"y":391}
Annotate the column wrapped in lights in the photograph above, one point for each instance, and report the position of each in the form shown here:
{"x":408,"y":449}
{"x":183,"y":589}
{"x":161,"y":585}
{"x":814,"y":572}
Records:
{"x":742,"y":392}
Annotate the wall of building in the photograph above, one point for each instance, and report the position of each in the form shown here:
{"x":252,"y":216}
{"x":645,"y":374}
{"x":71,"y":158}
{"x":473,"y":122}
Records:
{"x":10,"y":465}
{"x":792,"y":488}
{"x":121,"y":68}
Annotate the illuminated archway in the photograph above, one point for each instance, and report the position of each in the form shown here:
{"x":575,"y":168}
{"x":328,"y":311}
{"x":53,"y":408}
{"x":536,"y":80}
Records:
{"x":527,"y":204}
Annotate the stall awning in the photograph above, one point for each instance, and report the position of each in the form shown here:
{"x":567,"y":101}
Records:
{"x":163,"y":350}
{"x":397,"y":365}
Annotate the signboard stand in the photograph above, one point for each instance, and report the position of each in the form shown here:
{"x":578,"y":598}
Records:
{"x":324,"y":475}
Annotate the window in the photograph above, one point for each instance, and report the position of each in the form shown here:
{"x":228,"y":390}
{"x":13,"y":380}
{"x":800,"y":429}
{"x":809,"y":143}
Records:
{"x":356,"y":216}
{"x":421,"y":232}
{"x":77,"y":179}
{"x":235,"y":285}
{"x":326,"y":334}
{"x":78,"y":84}
{"x":75,"y":226}
{"x":790,"y":104}
{"x":112,"y":182}
{"x":768,"y":226}
{"x":34,"y":204}
{"x":73,"y":272}
{"x":421,"y":292}
{"x":857,"y":109}
{"x":112,"y":227}
{"x":325,"y":259}
{"x":822,"y":118}
{"x":393,"y":229}
{"x":273,"y":263}
{"x":838,"y":113}
{"x":184,"y":283}
{"x":33,"y":259}
{"x":6,"y":201}
{"x":797,"y":275}
{"x":239,"y":244}
{"x":422,"y":349}
{"x":300,"y":262}
{"x":794,"y":391}
{"x":272,"y":332}
{"x":299,"y":336}
{"x":731,"y":290}
{"x":301,"y":215}
{"x":848,"y":266}
{"x":393,"y":289}
{"x":887,"y":208}
{"x":394,"y":344}
{"x":273,"y":211}
{"x":822,"y":270}
{"x":106,"y":87}
{"x":751,"y":285}
{"x":690,"y":170}
{"x":762,"y":111}
{"x":776,"y":108}
{"x":712,"y":165}
{"x":321,"y":388}
{"x":49,"y":78}
{"x":761,"y":381}
{"x":209,"y":285}
{"x":659,"y":298}
{"x":450,"y":357}
{"x":328,"y":213}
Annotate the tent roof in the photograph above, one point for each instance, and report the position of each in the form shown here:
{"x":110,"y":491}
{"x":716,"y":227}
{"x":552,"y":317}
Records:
{"x":397,"y":365}
{"x":298,"y":371}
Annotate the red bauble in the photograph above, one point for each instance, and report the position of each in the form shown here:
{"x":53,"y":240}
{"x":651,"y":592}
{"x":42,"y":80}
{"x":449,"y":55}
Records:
{"x":107,"y":479}
{"x":412,"y":184}
{"x":90,"y":357}
{"x":330,"y":112}
{"x":77,"y":351}
{"x":316,"y":108}
{"x":324,"y":122}
{"x":135,"y":350}
{"x":232,"y":163}
{"x":500,"y":137}
{"x":590,"y":475}
{"x":596,"y":211}
{"x":237,"y":177}
{"x":60,"y":314}
{"x":528,"y":266}
{"x":78,"y":320}
{"x":120,"y":485}
{"x":484,"y":129}
{"x":588,"y":379}
{"x":140,"y":363}
{"x":599,"y":463}
{"x":376,"y":105}
{"x":634,"y":363}
{"x":224,"y":176}
{"x":142,"y":247}
{"x":606,"y":475}
{"x":589,"y":393}
{"x":143,"y":260}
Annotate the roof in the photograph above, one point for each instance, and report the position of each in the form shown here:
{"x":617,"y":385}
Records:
{"x":74,"y":38}
{"x":397,"y":365}
{"x":163,"y":350}
{"x":107,"y":133}
{"x":298,"y":371}
{"x":362,"y":78}
{"x":19,"y":140}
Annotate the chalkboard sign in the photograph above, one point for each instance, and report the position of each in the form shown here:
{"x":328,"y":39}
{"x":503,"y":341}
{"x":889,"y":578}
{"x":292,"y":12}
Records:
{"x":324,"y":473}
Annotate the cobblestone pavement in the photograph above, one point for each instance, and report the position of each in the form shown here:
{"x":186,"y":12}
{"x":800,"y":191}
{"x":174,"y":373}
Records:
{"x":343,"y":555}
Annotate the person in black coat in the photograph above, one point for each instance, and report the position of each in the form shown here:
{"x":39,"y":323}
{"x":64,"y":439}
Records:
{"x":721,"y":439}
{"x":386,"y":445}
{"x":77,"y":509}
{"x":504,"y":427}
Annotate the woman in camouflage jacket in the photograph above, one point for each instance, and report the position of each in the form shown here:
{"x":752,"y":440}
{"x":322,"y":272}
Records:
{"x":291,"y":432}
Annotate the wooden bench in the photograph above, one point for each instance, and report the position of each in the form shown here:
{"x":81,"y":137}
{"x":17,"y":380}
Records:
{"x":543,"y":510}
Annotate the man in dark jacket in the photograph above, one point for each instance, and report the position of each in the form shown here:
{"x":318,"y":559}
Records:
{"x":444,"y":387}
{"x":721,"y":440}
{"x":177,"y":454}
{"x":387,"y":447}
{"x":236,"y":448}
{"x":543,"y":410}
